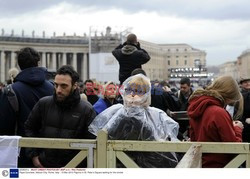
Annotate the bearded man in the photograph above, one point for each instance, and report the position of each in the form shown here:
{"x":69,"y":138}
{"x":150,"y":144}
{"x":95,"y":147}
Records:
{"x":62,"y":115}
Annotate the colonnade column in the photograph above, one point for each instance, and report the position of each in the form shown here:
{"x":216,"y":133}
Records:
{"x":64,"y":59}
{"x":75,"y":61}
{"x":54,"y":61}
{"x":13,"y":59}
{"x":2,"y":66}
{"x":44,"y":59}
{"x":85,"y":68}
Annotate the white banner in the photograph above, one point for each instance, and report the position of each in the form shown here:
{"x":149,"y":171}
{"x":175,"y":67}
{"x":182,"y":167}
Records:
{"x":103,"y":67}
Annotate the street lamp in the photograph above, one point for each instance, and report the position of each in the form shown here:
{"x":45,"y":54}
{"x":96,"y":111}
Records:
{"x":200,"y":67}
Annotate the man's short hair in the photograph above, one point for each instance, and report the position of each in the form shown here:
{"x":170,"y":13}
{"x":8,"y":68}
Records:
{"x":68,"y":70}
{"x":88,"y":81}
{"x":28,"y":57}
{"x":138,"y":71}
{"x":131,"y":38}
{"x":185,"y":80}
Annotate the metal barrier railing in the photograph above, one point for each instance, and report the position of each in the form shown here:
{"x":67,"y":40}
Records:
{"x":102,"y":153}
{"x":112,"y":149}
{"x":86,"y":148}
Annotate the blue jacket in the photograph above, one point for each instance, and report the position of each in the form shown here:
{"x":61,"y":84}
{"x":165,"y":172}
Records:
{"x":30,"y":85}
{"x":101,"y":105}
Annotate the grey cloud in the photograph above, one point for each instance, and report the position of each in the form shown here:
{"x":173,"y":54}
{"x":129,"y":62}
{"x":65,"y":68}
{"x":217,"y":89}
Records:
{"x":9,"y":8}
{"x":198,"y":9}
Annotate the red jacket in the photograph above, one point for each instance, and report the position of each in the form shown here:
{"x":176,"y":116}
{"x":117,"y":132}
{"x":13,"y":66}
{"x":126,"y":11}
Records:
{"x":210,"y":122}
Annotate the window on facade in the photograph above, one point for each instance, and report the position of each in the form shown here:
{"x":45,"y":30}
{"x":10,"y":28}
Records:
{"x":185,"y":62}
{"x":168,"y":62}
{"x":177,"y":50}
{"x":177,"y":62}
{"x":177,"y":56}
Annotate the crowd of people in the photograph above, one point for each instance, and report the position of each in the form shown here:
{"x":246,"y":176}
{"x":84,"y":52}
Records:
{"x":136,"y":109}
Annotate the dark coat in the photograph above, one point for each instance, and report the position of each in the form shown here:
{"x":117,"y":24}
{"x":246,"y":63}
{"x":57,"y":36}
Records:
{"x":129,"y":57}
{"x":92,"y":98}
{"x":30,"y":85}
{"x":164,"y":100}
{"x":53,"y":119}
{"x":183,"y":100}
{"x":246,"y":114}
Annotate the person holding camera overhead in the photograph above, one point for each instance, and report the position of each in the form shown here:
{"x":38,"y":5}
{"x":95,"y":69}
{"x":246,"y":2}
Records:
{"x":130,"y":56}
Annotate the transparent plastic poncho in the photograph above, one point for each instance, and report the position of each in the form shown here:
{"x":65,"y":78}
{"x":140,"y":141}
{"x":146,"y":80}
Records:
{"x":135,"y":120}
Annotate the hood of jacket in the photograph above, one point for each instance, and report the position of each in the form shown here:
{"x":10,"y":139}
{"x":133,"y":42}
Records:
{"x":128,"y":49}
{"x":200,"y":100}
{"x":33,"y":76}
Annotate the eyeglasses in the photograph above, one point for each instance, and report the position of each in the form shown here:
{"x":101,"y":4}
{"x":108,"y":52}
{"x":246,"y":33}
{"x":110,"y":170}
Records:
{"x":134,"y":91}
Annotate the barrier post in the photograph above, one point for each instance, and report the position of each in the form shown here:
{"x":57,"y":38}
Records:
{"x":102,"y":138}
{"x":192,"y":159}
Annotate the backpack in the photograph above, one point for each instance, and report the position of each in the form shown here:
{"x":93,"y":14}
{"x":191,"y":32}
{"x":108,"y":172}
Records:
{"x":12,"y":98}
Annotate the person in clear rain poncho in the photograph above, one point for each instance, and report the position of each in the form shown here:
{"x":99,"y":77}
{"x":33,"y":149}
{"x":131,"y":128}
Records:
{"x":135,"y":120}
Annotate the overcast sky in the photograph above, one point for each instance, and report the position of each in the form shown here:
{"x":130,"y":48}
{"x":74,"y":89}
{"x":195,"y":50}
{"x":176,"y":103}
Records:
{"x":220,"y":27}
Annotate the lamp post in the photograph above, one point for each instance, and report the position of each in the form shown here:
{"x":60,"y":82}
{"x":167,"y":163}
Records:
{"x":200,"y":67}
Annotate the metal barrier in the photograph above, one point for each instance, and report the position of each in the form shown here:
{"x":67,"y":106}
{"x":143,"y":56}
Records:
{"x":179,"y":115}
{"x":112,"y":149}
{"x":102,"y":153}
{"x":192,"y":158}
{"x":86,"y":148}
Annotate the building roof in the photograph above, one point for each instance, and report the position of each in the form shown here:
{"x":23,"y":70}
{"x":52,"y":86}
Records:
{"x":245,"y":52}
{"x":43,"y":40}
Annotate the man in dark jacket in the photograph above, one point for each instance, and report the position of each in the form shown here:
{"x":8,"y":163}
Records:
{"x":183,"y":95}
{"x":245,"y":91}
{"x":89,"y":91}
{"x":62,"y":115}
{"x":29,"y":86}
{"x":130,"y":56}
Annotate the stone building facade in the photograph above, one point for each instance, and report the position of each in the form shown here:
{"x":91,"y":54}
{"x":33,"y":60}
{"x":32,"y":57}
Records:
{"x":229,"y":68}
{"x":54,"y":53}
{"x":239,"y":68}
{"x":182,"y":60}
{"x":166,"y":58}
{"x":243,"y":64}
